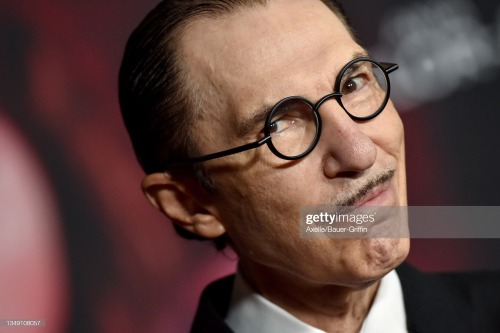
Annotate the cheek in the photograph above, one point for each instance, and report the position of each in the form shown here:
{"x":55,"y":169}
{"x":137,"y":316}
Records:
{"x":388,"y":132}
{"x":265,"y":228}
{"x":260,"y":211}
{"x":396,"y":148}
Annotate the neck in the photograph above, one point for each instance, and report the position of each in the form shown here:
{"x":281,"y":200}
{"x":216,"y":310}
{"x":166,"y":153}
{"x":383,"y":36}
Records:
{"x":331,"y":308}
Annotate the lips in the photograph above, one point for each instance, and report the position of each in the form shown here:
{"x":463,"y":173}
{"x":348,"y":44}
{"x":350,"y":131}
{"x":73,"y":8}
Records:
{"x":380,"y":195}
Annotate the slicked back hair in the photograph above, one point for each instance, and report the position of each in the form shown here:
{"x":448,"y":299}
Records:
{"x":158,"y":101}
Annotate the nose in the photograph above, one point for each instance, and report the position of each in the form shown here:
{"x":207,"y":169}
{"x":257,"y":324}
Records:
{"x":345,"y":147}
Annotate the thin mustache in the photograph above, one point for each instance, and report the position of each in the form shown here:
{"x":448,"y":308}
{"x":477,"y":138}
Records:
{"x":380,"y":179}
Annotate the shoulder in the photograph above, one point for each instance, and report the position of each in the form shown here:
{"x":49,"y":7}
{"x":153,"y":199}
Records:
{"x":473,"y":287}
{"x":213,"y":307}
{"x":464,"y":301}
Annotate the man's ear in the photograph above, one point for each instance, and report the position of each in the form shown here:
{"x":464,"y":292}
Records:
{"x":177,"y":201}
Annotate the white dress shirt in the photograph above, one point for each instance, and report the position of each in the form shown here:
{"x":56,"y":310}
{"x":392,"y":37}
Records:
{"x":250,"y":312}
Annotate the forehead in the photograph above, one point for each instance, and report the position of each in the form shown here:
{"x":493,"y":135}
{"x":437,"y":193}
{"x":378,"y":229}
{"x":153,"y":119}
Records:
{"x":261,"y":54}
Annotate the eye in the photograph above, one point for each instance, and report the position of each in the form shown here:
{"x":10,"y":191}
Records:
{"x":290,"y":117}
{"x":281,"y":125}
{"x":353,"y":84}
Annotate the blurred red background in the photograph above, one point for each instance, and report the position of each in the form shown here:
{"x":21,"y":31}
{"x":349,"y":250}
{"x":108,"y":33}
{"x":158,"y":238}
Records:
{"x":79,"y":245}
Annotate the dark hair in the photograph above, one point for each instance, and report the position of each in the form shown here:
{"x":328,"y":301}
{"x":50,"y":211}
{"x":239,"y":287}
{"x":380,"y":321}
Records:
{"x":158,"y":101}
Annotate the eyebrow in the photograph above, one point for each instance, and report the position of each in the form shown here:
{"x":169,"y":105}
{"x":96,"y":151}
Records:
{"x":262,"y":112}
{"x":257,"y":118}
{"x":361,"y":54}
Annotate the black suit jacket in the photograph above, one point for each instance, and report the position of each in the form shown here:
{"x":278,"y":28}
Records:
{"x":444,"y":302}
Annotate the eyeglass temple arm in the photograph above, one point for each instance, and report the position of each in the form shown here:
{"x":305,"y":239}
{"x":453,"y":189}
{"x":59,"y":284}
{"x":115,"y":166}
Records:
{"x":220,"y":154}
{"x":389,"y":67}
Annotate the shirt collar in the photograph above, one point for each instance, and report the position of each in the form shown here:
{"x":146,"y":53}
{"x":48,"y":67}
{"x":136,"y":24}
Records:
{"x":250,"y":312}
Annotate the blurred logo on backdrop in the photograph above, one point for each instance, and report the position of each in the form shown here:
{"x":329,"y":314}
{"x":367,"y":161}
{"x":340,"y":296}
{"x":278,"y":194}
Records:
{"x":442,"y":46}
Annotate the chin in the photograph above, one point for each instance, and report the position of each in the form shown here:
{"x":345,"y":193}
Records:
{"x":385,"y":254}
{"x":374,"y":258}
{"x":377,"y":258}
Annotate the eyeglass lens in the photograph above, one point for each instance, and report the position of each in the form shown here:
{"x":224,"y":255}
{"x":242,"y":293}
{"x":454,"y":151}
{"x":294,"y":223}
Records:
{"x":294,"y":125}
{"x":364,"y":89}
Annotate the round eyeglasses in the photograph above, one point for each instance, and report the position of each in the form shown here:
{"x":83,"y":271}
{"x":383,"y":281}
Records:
{"x":293,"y":126}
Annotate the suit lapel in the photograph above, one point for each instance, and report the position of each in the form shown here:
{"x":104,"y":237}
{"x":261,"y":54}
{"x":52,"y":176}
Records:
{"x":213,"y":307}
{"x":432,"y":304}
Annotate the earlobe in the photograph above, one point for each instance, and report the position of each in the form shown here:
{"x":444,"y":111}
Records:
{"x":207,"y":225}
{"x":176,"y":201}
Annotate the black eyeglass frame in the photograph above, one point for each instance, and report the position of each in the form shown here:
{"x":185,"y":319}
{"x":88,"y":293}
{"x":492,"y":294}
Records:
{"x":386,"y":68}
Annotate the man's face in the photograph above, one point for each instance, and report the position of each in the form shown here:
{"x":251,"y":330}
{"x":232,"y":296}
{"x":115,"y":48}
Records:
{"x":251,"y":59}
